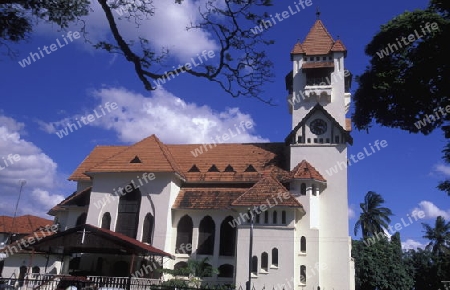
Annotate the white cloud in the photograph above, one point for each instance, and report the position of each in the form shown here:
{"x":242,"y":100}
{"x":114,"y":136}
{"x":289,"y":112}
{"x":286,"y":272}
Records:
{"x":432,"y":211}
{"x":172,"y":119}
{"x":165,"y":29}
{"x":411,"y":244}
{"x":442,"y":169}
{"x":23,"y":160}
{"x":351,"y":212}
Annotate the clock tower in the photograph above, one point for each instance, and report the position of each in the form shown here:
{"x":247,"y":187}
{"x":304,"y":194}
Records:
{"x":319,"y":99}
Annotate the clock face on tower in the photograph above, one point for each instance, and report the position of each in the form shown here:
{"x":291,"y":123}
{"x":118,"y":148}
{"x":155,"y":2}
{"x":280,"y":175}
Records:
{"x":318,"y":126}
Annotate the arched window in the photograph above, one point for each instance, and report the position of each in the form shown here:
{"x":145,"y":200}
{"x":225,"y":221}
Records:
{"x":266,"y":217}
{"x":303,"y":244}
{"x":265,"y":261}
{"x":81,"y":220}
{"x":314,"y":189}
{"x":128,"y":214}
{"x":227,"y":237}
{"x":274,"y":217}
{"x":283,"y":217}
{"x":106,"y":221}
{"x":303,"y":274}
{"x":147,"y":232}
{"x":254,"y":265}
{"x":184,"y":235}
{"x":207,"y":230}
{"x":303,"y":189}
{"x":226,"y":271}
{"x":275,"y":257}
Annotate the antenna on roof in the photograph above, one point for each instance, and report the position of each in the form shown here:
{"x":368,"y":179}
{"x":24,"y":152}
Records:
{"x":318,"y":13}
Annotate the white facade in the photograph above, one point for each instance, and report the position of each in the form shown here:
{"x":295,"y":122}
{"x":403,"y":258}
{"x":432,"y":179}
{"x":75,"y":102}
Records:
{"x":296,"y":247}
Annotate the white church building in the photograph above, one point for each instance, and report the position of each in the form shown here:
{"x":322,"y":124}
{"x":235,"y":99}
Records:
{"x":205,"y":206}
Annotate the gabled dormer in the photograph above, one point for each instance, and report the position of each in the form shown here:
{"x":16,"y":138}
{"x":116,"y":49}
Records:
{"x":318,"y":127}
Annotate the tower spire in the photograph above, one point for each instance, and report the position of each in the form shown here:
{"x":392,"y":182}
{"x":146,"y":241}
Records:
{"x":317,"y":13}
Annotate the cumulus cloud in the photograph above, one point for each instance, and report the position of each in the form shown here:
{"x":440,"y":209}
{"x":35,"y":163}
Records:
{"x":432,"y":211}
{"x":23,"y":160}
{"x":165,"y":29}
{"x":412,"y":244}
{"x":172,"y":119}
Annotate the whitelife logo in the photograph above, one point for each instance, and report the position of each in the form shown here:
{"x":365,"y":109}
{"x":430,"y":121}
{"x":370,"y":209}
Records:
{"x":411,"y":38}
{"x":38,"y":55}
{"x":86,"y":120}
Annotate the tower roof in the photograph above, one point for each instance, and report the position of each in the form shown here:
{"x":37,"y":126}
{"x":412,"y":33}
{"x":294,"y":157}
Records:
{"x":318,"y":42}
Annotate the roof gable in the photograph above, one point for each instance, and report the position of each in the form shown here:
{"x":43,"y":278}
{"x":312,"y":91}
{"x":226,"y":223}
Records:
{"x":316,"y":108}
{"x":304,"y":170}
{"x":154,"y":156}
{"x":318,"y":41}
{"x":265,"y":190}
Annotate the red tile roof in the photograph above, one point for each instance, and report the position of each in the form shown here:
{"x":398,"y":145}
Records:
{"x":99,"y":154}
{"x":318,"y":42}
{"x":304,"y":170}
{"x":266,"y":189}
{"x":207,"y":198}
{"x":25,"y":224}
{"x":80,"y":198}
{"x":91,"y":239}
{"x":151,"y":152}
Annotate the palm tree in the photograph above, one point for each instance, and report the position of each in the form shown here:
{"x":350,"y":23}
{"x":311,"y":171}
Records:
{"x":373,"y":218}
{"x":439,"y":236}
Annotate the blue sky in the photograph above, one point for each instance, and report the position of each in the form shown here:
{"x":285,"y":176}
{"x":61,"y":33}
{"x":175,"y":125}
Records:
{"x":74,"y":80}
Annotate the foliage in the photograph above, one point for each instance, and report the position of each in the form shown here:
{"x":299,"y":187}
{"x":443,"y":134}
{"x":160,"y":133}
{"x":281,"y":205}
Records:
{"x":411,"y":82}
{"x":380,"y":265}
{"x":439,"y":236}
{"x":373,"y":217}
{"x":193,"y":272}
{"x":240,"y":67}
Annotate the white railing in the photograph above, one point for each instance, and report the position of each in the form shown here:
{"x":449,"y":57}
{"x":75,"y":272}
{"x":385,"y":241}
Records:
{"x":107,"y":283}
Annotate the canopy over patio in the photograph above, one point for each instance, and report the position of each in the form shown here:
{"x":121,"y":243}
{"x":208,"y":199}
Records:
{"x":90,"y":239}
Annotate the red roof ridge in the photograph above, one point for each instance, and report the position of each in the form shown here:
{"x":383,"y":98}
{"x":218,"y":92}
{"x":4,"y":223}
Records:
{"x":304,"y":170}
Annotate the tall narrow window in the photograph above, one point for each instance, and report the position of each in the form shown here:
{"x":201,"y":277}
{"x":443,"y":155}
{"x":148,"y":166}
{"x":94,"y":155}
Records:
{"x":184,"y":235}
{"x":149,"y":225}
{"x":227,"y":237}
{"x":303,"y":189}
{"x":314,"y":192}
{"x":128,"y":214}
{"x":283,"y":217}
{"x":303,"y":274}
{"x":106,"y":221}
{"x":303,"y":244}
{"x":274,"y":217}
{"x":275,"y":257}
{"x":207,"y":230}
{"x":265,"y":261}
{"x":266,"y":217}
{"x":257,"y":218}
{"x":254,"y":265}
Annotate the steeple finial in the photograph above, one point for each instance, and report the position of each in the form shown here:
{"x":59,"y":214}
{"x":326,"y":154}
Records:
{"x":318,"y":13}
